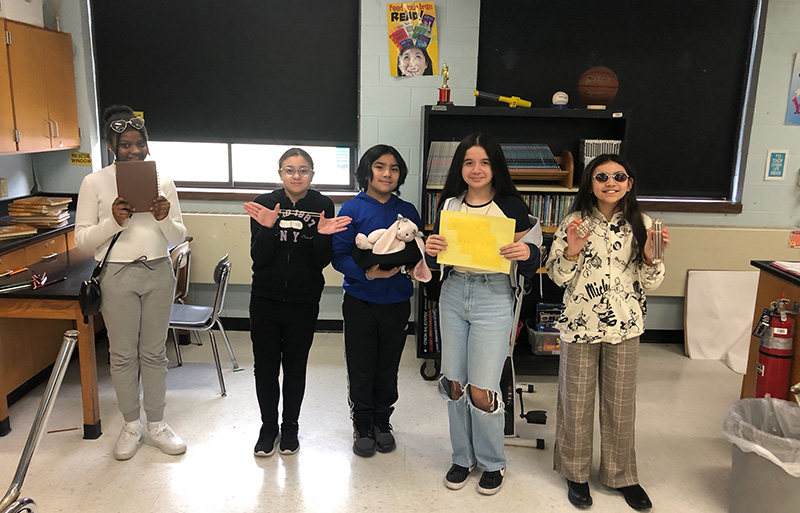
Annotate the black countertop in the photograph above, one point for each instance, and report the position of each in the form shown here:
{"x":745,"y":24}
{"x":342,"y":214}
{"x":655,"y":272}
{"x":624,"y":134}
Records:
{"x":76,"y":265}
{"x":9,"y":245}
{"x":766,"y":266}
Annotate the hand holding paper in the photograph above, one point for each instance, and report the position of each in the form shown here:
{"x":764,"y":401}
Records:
{"x":475,"y":241}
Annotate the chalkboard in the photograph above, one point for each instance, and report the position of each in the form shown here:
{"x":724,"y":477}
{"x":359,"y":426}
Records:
{"x":682,"y":68}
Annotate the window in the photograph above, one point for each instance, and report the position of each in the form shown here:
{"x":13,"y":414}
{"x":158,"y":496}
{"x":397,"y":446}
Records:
{"x":224,"y":80}
{"x":222,"y":165}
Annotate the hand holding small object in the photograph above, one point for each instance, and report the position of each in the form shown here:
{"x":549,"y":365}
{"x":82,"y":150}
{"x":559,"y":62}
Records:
{"x":263,"y":216}
{"x":435,"y":244}
{"x":648,"y":246}
{"x":160,"y":208}
{"x":121,"y":210}
{"x":333,"y":225}
{"x":575,"y":242}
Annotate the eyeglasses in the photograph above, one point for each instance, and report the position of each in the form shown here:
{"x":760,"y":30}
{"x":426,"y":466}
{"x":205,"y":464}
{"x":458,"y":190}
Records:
{"x":619,"y":176}
{"x":119,"y":125}
{"x":290,"y":171}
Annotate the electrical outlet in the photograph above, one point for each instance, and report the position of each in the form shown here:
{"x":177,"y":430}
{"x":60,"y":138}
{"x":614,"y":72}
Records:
{"x":3,"y":187}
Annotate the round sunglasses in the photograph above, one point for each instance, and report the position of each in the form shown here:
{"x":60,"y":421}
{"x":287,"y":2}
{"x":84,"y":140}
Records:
{"x":619,"y":176}
{"x":120,"y":125}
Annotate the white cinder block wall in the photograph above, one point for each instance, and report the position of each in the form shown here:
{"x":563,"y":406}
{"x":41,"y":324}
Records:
{"x":391,"y":106}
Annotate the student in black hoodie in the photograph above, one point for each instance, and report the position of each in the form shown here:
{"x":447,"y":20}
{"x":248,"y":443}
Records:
{"x":290,"y":245}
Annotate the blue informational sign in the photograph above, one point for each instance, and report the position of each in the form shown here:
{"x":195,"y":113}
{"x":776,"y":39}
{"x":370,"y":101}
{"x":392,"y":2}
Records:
{"x":793,"y":105}
{"x":776,"y":165}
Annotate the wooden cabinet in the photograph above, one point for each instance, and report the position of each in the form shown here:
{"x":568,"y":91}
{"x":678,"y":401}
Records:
{"x":29,"y":346}
{"x":42,"y":78}
{"x":7,"y":141}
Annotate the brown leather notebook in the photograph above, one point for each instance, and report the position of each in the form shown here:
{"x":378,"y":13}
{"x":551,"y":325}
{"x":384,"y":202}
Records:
{"x":137,"y":182}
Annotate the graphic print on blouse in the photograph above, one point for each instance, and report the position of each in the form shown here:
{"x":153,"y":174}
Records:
{"x":608,"y":286}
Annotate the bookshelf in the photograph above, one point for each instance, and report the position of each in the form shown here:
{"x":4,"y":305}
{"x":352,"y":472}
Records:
{"x":548,"y":193}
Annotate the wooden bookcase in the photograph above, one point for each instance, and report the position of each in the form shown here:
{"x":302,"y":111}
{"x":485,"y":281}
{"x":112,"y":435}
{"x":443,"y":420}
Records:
{"x":561,"y":130}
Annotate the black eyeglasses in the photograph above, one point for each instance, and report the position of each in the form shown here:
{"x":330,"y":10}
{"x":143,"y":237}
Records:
{"x":290,"y":171}
{"x":619,"y":176}
{"x":119,"y":125}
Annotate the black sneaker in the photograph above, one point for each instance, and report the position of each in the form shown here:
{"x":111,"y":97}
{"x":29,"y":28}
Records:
{"x":289,"y":442}
{"x":266,"y":441}
{"x":384,"y":439}
{"x":456,"y":477}
{"x":364,"y":442}
{"x":491,"y":482}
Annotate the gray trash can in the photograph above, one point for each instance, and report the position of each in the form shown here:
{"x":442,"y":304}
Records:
{"x":765,"y":473}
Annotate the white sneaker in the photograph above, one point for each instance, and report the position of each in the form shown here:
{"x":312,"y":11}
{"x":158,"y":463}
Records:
{"x":163,"y":437}
{"x":128,"y":440}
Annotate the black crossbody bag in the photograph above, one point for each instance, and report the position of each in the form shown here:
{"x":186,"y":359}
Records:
{"x":89,"y":296}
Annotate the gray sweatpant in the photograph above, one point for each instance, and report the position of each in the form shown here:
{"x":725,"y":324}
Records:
{"x":136,"y":304}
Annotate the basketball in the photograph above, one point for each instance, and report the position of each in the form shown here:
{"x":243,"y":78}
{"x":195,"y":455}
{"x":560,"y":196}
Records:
{"x":597,"y":86}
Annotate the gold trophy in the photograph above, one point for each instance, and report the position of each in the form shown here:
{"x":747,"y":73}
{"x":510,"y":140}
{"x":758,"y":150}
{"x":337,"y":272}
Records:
{"x":444,"y":91}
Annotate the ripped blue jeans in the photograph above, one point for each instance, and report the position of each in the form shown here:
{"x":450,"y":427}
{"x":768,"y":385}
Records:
{"x":476,"y":312}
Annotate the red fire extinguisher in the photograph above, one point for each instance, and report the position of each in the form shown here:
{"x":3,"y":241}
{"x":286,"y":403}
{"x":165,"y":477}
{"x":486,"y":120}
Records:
{"x":775,"y":354}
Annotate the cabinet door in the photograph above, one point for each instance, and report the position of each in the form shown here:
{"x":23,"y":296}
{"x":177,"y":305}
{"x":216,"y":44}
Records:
{"x":59,"y":81}
{"x":28,"y":87}
{"x":7,"y":142}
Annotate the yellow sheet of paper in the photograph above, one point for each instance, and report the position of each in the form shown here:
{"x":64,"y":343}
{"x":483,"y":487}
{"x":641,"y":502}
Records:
{"x":474,"y":240}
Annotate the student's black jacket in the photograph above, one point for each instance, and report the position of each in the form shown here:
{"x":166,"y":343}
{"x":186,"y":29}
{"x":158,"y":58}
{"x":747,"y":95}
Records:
{"x":289,"y":257}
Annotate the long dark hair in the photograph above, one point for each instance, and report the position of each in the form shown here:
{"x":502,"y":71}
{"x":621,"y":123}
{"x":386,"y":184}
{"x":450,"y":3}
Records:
{"x":585,"y":201}
{"x":502,"y":184}
{"x":364,"y":169}
{"x":113,"y":113}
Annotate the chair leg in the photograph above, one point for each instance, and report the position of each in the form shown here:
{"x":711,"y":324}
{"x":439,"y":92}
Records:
{"x":216,"y":361}
{"x":177,"y":347}
{"x":228,"y":345}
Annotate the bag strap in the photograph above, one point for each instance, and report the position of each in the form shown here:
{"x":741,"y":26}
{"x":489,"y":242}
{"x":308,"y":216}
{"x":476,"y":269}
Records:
{"x":99,"y":269}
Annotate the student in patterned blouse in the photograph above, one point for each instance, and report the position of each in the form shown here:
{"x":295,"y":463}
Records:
{"x":606,"y":271}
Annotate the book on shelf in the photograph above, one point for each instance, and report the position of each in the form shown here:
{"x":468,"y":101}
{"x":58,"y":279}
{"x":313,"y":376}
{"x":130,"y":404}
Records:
{"x":440,"y":155}
{"x":16,"y":230}
{"x":529,"y":156}
{"x":588,"y":149}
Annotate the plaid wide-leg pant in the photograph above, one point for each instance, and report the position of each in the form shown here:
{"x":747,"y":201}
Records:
{"x":581,"y":368}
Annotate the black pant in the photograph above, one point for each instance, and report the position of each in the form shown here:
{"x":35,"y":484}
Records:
{"x":374,"y":336}
{"x":281,"y":334}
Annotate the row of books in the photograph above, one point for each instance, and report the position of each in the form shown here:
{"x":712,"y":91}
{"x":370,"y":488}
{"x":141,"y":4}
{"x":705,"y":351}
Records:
{"x":518,"y":156}
{"x":431,"y":342}
{"x":40,"y":211}
{"x":549,"y":208}
{"x":588,"y":149}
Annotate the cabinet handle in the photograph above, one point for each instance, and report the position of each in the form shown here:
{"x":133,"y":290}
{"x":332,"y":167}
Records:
{"x":51,"y":255}
{"x":58,"y":134}
{"x":50,"y":128}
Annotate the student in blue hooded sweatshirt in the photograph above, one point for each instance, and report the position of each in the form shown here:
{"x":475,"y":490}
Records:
{"x":376,"y":303}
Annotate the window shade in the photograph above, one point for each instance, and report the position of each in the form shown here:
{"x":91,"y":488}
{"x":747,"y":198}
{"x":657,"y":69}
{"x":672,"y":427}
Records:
{"x":233,"y":71}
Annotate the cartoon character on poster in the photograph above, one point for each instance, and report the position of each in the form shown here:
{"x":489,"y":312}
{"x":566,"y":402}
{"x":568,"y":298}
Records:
{"x":413,"y":43}
{"x":793,"y":107}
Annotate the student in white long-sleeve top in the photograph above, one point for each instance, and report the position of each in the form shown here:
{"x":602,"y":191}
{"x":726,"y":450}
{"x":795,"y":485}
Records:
{"x":137,"y":284}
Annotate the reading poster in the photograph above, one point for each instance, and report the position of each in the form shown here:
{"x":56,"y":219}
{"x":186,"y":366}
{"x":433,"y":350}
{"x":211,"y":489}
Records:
{"x":793,"y":108}
{"x":413,"y":43}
